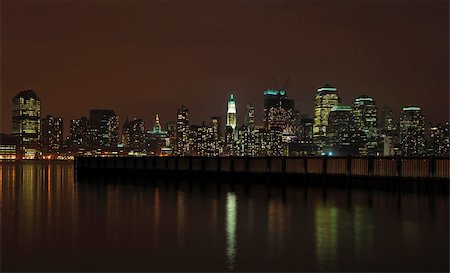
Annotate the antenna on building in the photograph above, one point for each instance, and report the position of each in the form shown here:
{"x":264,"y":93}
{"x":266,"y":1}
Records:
{"x":286,"y":84}
{"x":275,"y":82}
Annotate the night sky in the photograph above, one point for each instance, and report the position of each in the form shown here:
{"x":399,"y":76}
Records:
{"x":145,"y":57}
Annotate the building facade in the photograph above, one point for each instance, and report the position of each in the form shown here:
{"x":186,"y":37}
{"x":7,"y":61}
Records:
{"x":26,"y":118}
{"x":105,"y":125}
{"x":326,"y":98}
{"x":412,"y":131}
{"x":182,"y":135}
{"x":52,"y":134}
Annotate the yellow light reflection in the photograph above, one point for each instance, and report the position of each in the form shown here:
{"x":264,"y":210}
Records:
{"x":326,"y":234}
{"x":230,"y":228}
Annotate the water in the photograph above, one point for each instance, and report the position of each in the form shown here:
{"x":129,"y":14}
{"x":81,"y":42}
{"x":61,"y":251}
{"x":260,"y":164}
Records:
{"x":51,"y":223}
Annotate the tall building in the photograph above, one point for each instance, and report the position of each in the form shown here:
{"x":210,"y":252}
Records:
{"x":182,"y":146}
{"x":278,"y":111}
{"x":157,"y":140}
{"x":52,"y":134}
{"x":306,"y":129}
{"x":439,"y":140}
{"x":216,"y":135}
{"x":365,"y":121}
{"x":231,"y":113}
{"x":250,"y":117}
{"x":171,"y":128}
{"x":388,"y":126}
{"x":326,"y":98}
{"x":106,"y":126}
{"x":133,"y":134}
{"x":412,"y":131}
{"x":365,"y":115}
{"x":340,"y":130}
{"x":80,"y":133}
{"x":26,"y":118}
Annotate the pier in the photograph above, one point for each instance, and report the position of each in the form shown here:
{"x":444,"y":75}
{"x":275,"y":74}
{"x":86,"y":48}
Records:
{"x":333,"y":171}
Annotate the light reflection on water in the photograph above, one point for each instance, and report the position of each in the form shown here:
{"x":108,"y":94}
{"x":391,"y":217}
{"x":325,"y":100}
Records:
{"x":51,"y":223}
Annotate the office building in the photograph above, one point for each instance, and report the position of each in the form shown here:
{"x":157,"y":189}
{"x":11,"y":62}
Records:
{"x":182,"y":143}
{"x":326,"y":98}
{"x":52,"y":134}
{"x":340,"y":130}
{"x":133,"y":134}
{"x":26,"y":119}
{"x":438,"y":141}
{"x":412,"y":131}
{"x":278,"y":111}
{"x":365,"y":122}
{"x":80,"y":133}
{"x":231,"y":113}
{"x":105,"y":125}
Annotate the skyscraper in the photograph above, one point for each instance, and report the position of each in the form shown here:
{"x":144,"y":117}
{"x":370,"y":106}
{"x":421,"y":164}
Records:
{"x":388,"y":126}
{"x":278,"y":111}
{"x":365,"y":115}
{"x":52,"y":134}
{"x":27,"y":118}
{"x":182,"y":147}
{"x":439,"y":140}
{"x":365,"y":121}
{"x":80,"y":136}
{"x":250,"y":117}
{"x":231,"y":113}
{"x":326,"y":98}
{"x":106,"y":125}
{"x":340,"y":129}
{"x":133,"y":133}
{"x":412,"y":131}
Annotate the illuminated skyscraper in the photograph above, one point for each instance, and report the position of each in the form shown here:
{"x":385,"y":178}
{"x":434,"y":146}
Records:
{"x":340,"y":129}
{"x":326,"y":98}
{"x":106,"y":127}
{"x":216,"y":135}
{"x":52,"y":134}
{"x":439,"y":140}
{"x":80,"y":136}
{"x":365,"y":115}
{"x":388,"y":126}
{"x":231,"y":113}
{"x":133,"y":134}
{"x":250,"y":117}
{"x":157,"y":126}
{"x":412,"y":131}
{"x":182,"y":147}
{"x":26,"y":118}
{"x":278,"y":111}
{"x":365,"y":121}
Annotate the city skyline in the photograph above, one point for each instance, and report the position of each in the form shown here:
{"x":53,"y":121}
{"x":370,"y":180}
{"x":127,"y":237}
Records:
{"x":139,"y":68}
{"x":335,"y":129}
{"x":240,"y":115}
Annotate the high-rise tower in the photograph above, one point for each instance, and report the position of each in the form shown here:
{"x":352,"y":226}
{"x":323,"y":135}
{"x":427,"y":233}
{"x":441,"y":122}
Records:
{"x":52,"y":133}
{"x":182,"y":144}
{"x":105,"y":125}
{"x":278,"y":111}
{"x":326,"y":98}
{"x":27,"y":118}
{"x":231,"y":113}
{"x":412,"y":131}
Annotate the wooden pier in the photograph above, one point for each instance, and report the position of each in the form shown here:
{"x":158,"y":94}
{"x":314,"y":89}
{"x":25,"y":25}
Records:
{"x":336,"y":171}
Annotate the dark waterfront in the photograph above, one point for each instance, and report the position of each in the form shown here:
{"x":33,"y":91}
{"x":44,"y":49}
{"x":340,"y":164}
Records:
{"x":52,"y":223}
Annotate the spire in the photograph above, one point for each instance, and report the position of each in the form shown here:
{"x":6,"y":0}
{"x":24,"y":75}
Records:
{"x":157,"y":127}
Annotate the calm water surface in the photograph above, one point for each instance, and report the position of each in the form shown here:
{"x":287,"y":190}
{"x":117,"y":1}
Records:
{"x":49,"y":222}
